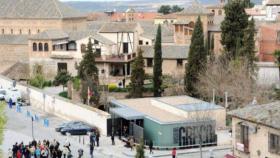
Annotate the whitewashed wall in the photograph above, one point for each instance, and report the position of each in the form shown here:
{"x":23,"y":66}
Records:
{"x":62,"y":107}
{"x":268,"y":73}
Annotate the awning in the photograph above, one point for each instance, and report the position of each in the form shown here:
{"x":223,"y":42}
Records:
{"x":127,"y":113}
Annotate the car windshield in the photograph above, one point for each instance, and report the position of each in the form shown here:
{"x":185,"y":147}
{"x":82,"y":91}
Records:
{"x":2,"y":92}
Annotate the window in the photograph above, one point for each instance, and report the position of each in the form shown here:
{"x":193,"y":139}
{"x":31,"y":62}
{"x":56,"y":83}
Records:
{"x":176,"y":28}
{"x":186,"y":32}
{"x":12,"y":31}
{"x":34,"y":47}
{"x":61,"y":67}
{"x":147,"y":43}
{"x":3,"y":31}
{"x":245,"y":137}
{"x":83,"y":48}
{"x":150,"y":62}
{"x":20,"y":31}
{"x":40,"y":47}
{"x":220,"y":12}
{"x":96,"y":42}
{"x":38,"y":31}
{"x":191,"y":24}
{"x":29,"y":32}
{"x":179,"y":62}
{"x":98,"y":52}
{"x":140,"y":42}
{"x":46,"y":47}
{"x":125,"y":47}
{"x":274,"y":143}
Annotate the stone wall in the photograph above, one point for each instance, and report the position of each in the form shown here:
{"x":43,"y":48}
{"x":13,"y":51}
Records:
{"x":62,"y":107}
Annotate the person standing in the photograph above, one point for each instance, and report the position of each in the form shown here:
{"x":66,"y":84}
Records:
{"x":97,"y":139}
{"x":113,"y":138}
{"x":91,"y":149}
{"x":81,"y":153}
{"x":131,"y":143}
{"x":174,"y":153}
{"x":10,"y":153}
{"x":151,"y":147}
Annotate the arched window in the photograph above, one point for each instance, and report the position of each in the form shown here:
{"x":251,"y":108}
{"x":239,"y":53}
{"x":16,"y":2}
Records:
{"x":40,"y":47}
{"x":20,"y":31}
{"x":34,"y":47}
{"x":38,"y":31}
{"x":220,"y":12}
{"x":29,"y":32}
{"x":191,"y":24}
{"x":12,"y":31}
{"x":3,"y":31}
{"x":46,"y":47}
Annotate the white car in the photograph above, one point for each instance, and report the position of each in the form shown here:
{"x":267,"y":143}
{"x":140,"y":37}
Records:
{"x":13,"y":94}
{"x":2,"y":94}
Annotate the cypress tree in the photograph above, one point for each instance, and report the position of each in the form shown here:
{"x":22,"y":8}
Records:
{"x":248,"y":49}
{"x":137,"y":76}
{"x":235,"y":21}
{"x":88,"y":72}
{"x":157,"y":69}
{"x":196,"y":61}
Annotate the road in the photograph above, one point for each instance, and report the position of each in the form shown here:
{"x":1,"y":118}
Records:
{"x":18,"y":129}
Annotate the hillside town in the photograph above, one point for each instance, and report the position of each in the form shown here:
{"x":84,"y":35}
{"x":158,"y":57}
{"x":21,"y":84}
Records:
{"x":195,"y":80}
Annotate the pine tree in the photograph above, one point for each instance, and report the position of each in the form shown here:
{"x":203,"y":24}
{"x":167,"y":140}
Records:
{"x":196,"y":61}
{"x":137,"y":76}
{"x":248,"y":49}
{"x":140,"y":152}
{"x":235,"y":21}
{"x":157,"y":69}
{"x":88,"y":72}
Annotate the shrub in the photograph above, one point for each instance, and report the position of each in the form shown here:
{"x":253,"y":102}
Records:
{"x":64,"y":94}
{"x":38,"y":81}
{"x":112,"y":87}
{"x":76,"y":83}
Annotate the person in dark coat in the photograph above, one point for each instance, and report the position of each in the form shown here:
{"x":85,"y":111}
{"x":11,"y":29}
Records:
{"x":151,"y":145}
{"x":97,"y":139}
{"x":91,"y":148}
{"x":113,"y":138}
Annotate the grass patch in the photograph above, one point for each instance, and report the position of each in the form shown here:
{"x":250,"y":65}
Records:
{"x":3,"y":121}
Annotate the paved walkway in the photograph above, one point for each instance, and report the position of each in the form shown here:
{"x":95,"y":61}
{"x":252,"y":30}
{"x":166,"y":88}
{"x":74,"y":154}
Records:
{"x":18,"y":129}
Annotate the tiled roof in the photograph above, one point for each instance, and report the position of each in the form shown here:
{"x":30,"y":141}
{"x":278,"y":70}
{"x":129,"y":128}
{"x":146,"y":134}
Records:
{"x":14,"y":39}
{"x":50,"y":34}
{"x":168,"y":51}
{"x":196,"y":8}
{"x":138,"y":16}
{"x":19,"y":71}
{"x":103,"y":39}
{"x":267,"y":114}
{"x":114,"y":27}
{"x":37,"y":9}
{"x":273,"y":2}
{"x":167,"y":16}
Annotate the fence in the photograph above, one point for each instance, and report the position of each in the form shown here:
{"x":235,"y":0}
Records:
{"x":61,"y":107}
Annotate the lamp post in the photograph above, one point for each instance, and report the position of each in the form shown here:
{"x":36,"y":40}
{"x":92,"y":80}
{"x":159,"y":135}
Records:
{"x":32,"y":120}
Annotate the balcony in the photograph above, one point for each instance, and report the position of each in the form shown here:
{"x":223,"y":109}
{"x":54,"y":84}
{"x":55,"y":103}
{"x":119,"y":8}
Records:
{"x":63,"y":54}
{"x":244,"y":147}
{"x":122,"y":58}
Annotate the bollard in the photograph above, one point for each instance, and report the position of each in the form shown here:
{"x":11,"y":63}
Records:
{"x":83,"y":140}
{"x":79,"y":139}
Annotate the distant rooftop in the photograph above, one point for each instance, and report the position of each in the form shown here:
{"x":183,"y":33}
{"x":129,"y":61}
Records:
{"x":267,"y":114}
{"x":37,"y":9}
{"x":168,"y":51}
{"x":114,"y":27}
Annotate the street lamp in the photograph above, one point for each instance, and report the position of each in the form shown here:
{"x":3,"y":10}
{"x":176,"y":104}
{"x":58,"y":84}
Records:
{"x":32,"y":120}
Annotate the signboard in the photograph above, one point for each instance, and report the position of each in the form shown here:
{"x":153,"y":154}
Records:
{"x":240,"y":147}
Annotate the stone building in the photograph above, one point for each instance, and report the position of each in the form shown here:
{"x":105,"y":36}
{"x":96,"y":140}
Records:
{"x":19,"y":20}
{"x":256,"y":131}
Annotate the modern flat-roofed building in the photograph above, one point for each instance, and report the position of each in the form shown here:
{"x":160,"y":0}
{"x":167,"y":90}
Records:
{"x":168,"y":121}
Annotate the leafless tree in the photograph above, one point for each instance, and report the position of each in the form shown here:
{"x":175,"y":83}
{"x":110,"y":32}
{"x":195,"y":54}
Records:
{"x":234,"y":79}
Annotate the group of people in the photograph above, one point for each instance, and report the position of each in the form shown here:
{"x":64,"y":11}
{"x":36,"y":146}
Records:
{"x":40,"y":149}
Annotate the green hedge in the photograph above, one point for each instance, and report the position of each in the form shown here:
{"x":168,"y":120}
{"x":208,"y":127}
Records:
{"x":64,"y":94}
